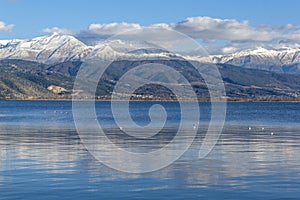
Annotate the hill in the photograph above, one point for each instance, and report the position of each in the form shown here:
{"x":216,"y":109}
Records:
{"x":20,"y":79}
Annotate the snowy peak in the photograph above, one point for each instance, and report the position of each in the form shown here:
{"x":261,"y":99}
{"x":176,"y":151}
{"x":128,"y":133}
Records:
{"x":60,"y":48}
{"x":53,"y":41}
{"x":52,"y":48}
{"x":278,"y":60}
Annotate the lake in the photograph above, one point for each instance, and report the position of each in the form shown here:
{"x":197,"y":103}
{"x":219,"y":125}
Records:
{"x":256,"y":157}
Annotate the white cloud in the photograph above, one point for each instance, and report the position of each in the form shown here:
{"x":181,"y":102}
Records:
{"x":113,"y":28}
{"x":293,"y":36}
{"x":161,"y":25}
{"x":6,"y":27}
{"x":223,"y":35}
{"x":58,"y":30}
{"x":213,"y":29}
{"x":229,"y":49}
{"x":208,"y":28}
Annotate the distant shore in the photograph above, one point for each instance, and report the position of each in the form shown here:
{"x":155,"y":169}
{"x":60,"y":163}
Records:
{"x":149,"y":100}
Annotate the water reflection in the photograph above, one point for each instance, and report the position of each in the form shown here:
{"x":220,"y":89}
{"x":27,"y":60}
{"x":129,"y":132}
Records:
{"x":242,"y":159}
{"x":41,"y":155}
{"x":51,"y":148}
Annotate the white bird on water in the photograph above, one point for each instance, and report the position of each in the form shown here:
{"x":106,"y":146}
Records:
{"x":196,"y":125}
{"x":272,"y":133}
{"x":249,"y":128}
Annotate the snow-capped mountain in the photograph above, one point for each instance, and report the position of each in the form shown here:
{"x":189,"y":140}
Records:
{"x":278,"y":60}
{"x":57,"y":48}
{"x":53,"y":48}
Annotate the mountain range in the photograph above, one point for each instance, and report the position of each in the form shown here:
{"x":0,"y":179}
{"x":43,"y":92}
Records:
{"x":57,"y":48}
{"x":46,"y":67}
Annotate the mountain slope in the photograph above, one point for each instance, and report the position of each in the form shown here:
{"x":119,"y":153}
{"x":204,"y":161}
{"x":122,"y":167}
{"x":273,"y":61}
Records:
{"x":25,"y":79}
{"x":29,"y":67}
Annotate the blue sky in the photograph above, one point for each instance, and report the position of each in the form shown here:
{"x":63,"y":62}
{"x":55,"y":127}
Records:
{"x":30,"y":17}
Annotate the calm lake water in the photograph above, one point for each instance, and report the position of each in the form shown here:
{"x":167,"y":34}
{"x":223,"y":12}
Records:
{"x":42,"y":157}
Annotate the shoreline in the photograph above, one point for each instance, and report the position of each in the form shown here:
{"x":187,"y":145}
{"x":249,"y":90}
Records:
{"x":107,"y":100}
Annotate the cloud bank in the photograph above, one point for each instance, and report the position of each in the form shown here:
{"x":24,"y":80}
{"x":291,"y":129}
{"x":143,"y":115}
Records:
{"x":209,"y":29}
{"x":234,"y":34}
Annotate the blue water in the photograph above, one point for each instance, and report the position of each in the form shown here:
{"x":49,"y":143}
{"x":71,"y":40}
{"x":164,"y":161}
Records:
{"x":42,"y":157}
{"x":60,"y":112}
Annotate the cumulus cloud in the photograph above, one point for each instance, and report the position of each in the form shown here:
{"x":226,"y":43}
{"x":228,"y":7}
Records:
{"x":293,"y":36}
{"x":230,"y":34}
{"x":161,"y":25}
{"x":58,"y":30}
{"x":232,"y":30}
{"x":113,"y":28}
{"x":98,"y":32}
{"x":6,"y":27}
{"x":229,"y":49}
{"x":208,"y":28}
